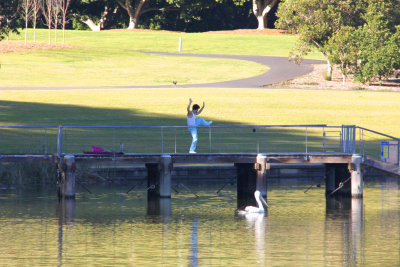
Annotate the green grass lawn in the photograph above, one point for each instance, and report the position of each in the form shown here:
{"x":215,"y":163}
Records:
{"x":376,"y":110}
{"x":101,"y":59}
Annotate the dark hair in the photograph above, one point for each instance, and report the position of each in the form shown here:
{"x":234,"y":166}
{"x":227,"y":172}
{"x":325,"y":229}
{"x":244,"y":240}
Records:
{"x":195,"y":107}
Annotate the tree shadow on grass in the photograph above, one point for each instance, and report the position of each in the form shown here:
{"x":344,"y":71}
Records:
{"x":137,"y":139}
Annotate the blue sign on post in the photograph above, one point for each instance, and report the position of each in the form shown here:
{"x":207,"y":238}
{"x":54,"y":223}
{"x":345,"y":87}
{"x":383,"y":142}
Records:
{"x":384,"y":150}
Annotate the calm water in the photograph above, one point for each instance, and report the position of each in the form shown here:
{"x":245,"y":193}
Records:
{"x":112,"y":228}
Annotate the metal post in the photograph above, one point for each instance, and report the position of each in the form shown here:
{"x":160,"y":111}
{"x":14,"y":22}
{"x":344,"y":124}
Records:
{"x":219,"y":140}
{"x":162,"y":140}
{"x":209,"y":137}
{"x":353,"y":141}
{"x":85,"y":138}
{"x":265,"y":140}
{"x":258,"y":143}
{"x":180,"y":44}
{"x":398,"y":152}
{"x":114,"y":139}
{"x":306,"y":140}
{"x":45,"y":140}
{"x":175,"y":138}
{"x":59,"y":141}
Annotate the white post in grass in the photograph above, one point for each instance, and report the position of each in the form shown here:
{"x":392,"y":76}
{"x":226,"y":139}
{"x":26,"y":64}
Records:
{"x":180,"y":44}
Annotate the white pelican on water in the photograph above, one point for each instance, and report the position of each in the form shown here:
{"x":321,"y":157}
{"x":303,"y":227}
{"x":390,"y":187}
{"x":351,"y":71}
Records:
{"x":252,"y":209}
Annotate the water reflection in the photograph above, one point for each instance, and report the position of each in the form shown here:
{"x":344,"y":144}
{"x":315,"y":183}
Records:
{"x":257,"y":222}
{"x":344,"y":219}
{"x":159,"y":207}
{"x":193,"y":255}
{"x":66,"y":216}
{"x":106,"y":228}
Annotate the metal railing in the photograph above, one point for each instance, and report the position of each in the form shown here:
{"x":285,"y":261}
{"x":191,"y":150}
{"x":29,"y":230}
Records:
{"x":177,"y":139}
{"x":28,"y":139}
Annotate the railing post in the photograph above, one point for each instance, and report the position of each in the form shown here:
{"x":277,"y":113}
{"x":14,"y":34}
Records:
{"x":59,"y":141}
{"x":175,"y":138}
{"x":306,"y":140}
{"x":398,"y":152}
{"x":162,"y":140}
{"x":353,"y":150}
{"x":209,"y":137}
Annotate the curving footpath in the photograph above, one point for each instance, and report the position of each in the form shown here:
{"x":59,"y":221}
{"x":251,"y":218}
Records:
{"x":280,"y":70}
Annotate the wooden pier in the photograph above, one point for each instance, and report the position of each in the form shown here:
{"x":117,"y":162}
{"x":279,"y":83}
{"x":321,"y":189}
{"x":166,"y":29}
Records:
{"x":342,"y":155}
{"x":342,"y":169}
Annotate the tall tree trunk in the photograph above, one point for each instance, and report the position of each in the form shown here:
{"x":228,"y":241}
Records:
{"x":132,"y":23}
{"x":94,"y":27}
{"x":90,"y":23}
{"x":134,"y":11}
{"x":34,"y":31}
{"x":329,"y":69}
{"x":26,"y":32}
{"x":261,"y":8}
{"x":63,"y":29}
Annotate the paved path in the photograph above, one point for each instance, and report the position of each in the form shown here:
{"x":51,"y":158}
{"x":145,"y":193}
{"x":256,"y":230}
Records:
{"x":280,"y":69}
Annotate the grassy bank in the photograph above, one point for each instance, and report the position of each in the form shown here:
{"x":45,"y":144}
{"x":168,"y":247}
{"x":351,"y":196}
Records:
{"x":376,"y":110}
{"x":102,"y":59}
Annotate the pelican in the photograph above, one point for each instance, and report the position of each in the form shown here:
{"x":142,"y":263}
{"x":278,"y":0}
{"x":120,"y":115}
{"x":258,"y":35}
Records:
{"x":252,"y":209}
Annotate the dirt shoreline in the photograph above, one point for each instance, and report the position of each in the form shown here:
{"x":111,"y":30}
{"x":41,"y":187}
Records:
{"x":315,"y":80}
{"x":14,"y":46}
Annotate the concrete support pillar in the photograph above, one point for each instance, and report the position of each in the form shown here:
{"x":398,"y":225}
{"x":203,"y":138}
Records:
{"x":261,"y":167}
{"x":159,"y":177}
{"x":337,"y":180}
{"x":66,"y":179}
{"x":330,"y":179}
{"x":165,"y":176}
{"x":246,"y":184}
{"x":251,"y":177}
{"x":356,"y":177}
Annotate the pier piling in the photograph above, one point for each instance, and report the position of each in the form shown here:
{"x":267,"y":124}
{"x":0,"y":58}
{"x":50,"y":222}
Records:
{"x":356,"y":177}
{"x":66,"y":179}
{"x":159,"y":177}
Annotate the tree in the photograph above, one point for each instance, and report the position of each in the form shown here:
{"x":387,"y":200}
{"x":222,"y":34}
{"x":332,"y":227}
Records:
{"x":316,"y":21}
{"x":56,"y":14}
{"x":35,"y":13}
{"x":342,"y":50}
{"x":94,"y":13}
{"x":135,"y":9}
{"x":358,"y":35}
{"x":27,"y":7}
{"x":378,"y":44}
{"x":261,"y":8}
{"x":8,"y":16}
{"x":64,"y":10}
{"x":47,"y":11}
